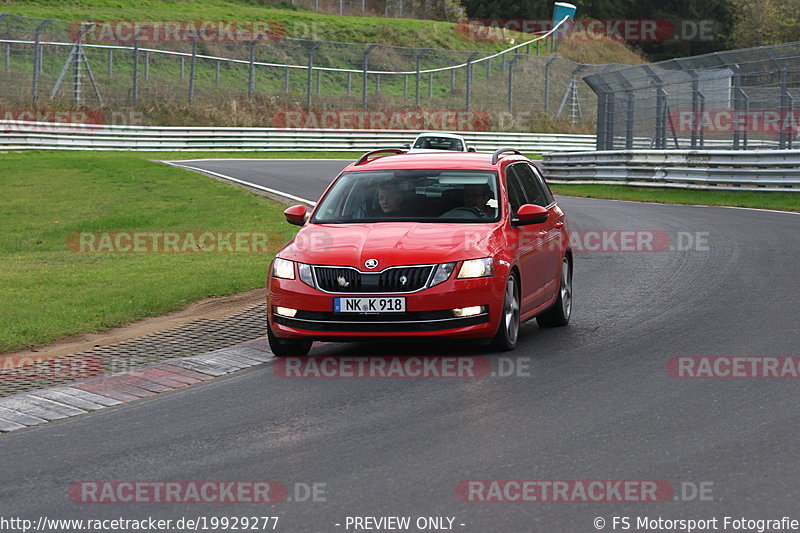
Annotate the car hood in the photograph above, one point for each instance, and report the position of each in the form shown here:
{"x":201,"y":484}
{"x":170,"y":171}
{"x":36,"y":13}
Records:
{"x":391,"y":243}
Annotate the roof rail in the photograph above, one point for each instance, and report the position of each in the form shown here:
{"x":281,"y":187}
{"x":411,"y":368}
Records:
{"x":364,"y":157}
{"x":497,"y":153}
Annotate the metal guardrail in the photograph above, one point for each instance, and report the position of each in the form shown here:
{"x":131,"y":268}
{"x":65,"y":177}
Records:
{"x":18,"y":135}
{"x":764,"y":170}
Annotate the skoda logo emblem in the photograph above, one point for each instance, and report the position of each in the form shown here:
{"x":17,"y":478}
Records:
{"x":371,"y":263}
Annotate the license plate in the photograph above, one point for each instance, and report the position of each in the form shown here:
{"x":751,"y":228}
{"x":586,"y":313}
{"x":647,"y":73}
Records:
{"x":369,"y":305}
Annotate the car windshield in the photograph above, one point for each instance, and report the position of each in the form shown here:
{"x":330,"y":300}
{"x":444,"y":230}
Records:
{"x":439,"y":143}
{"x":411,"y":195}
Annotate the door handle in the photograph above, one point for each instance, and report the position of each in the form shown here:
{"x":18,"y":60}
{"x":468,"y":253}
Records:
{"x":559,"y":224}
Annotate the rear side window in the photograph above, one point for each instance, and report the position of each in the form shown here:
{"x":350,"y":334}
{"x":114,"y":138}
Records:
{"x":516,"y":195}
{"x":535,"y":191}
{"x":540,"y":180}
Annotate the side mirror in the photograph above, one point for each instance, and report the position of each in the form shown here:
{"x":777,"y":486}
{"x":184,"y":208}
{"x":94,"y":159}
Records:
{"x":296,"y":215}
{"x":471,"y":149}
{"x":406,"y":146}
{"x":530,"y":214}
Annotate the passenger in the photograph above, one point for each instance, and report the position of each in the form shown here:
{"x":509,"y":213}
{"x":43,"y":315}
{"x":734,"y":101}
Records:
{"x":390,"y":198}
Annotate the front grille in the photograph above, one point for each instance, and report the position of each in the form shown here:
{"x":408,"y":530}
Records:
{"x":338,"y":279}
{"x":391,"y":280}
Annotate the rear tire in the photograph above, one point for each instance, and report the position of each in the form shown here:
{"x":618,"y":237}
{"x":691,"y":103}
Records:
{"x":559,"y":314}
{"x":508,"y":333}
{"x":288,"y":347}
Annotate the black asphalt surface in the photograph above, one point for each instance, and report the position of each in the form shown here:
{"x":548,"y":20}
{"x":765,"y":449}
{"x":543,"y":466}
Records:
{"x":598,"y":403}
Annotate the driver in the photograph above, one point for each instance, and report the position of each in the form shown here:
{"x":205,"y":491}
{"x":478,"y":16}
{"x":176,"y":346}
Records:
{"x":476,"y":196}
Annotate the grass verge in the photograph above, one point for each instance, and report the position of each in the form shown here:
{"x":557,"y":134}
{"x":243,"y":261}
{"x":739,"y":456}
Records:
{"x":761,"y":200}
{"x":51,"y":292}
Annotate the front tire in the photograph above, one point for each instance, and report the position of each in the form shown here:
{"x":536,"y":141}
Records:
{"x":508,"y":333}
{"x":559,"y":314}
{"x":287,"y":347}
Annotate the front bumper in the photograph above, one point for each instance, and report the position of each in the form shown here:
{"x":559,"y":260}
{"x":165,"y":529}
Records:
{"x":428,"y":312}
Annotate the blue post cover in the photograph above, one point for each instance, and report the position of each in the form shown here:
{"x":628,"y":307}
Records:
{"x":561,"y":10}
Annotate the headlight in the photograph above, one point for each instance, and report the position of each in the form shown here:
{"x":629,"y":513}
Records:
{"x":283,"y":269}
{"x":476,"y":268}
{"x":442,"y":273}
{"x":305,"y":274}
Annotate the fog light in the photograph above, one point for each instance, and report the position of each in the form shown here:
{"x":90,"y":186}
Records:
{"x":285,"y":311}
{"x":468,"y":311}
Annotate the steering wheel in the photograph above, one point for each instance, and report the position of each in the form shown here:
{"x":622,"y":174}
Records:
{"x":472,"y":210}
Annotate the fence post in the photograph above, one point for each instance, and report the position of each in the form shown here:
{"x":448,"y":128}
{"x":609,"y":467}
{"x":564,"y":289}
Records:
{"x":784,"y":137}
{"x":601,"y":119}
{"x":469,"y":79}
{"x":452,"y":80}
{"x":405,"y":86}
{"x":110,"y":63}
{"x":349,"y":82}
{"x":37,"y":59}
{"x":192,"y":67}
{"x":286,"y":81}
{"x":147,"y":65}
{"x":737,"y":91}
{"x":216,"y":73}
{"x":251,"y":80}
{"x":183,"y":64}
{"x":547,"y":83}
{"x":135,"y":88}
{"x":319,"y":81}
{"x":8,"y":57}
{"x":695,"y":107}
{"x":419,"y":59}
{"x":365,"y":75}
{"x":630,"y":104}
{"x":511,"y":85}
{"x":430,"y":85}
{"x":311,"y":50}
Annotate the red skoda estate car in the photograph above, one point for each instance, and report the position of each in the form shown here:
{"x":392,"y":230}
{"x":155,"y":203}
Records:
{"x":449,"y":245}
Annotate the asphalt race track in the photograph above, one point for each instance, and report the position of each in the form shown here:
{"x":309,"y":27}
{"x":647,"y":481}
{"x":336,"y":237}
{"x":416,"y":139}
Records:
{"x":598,"y":403}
